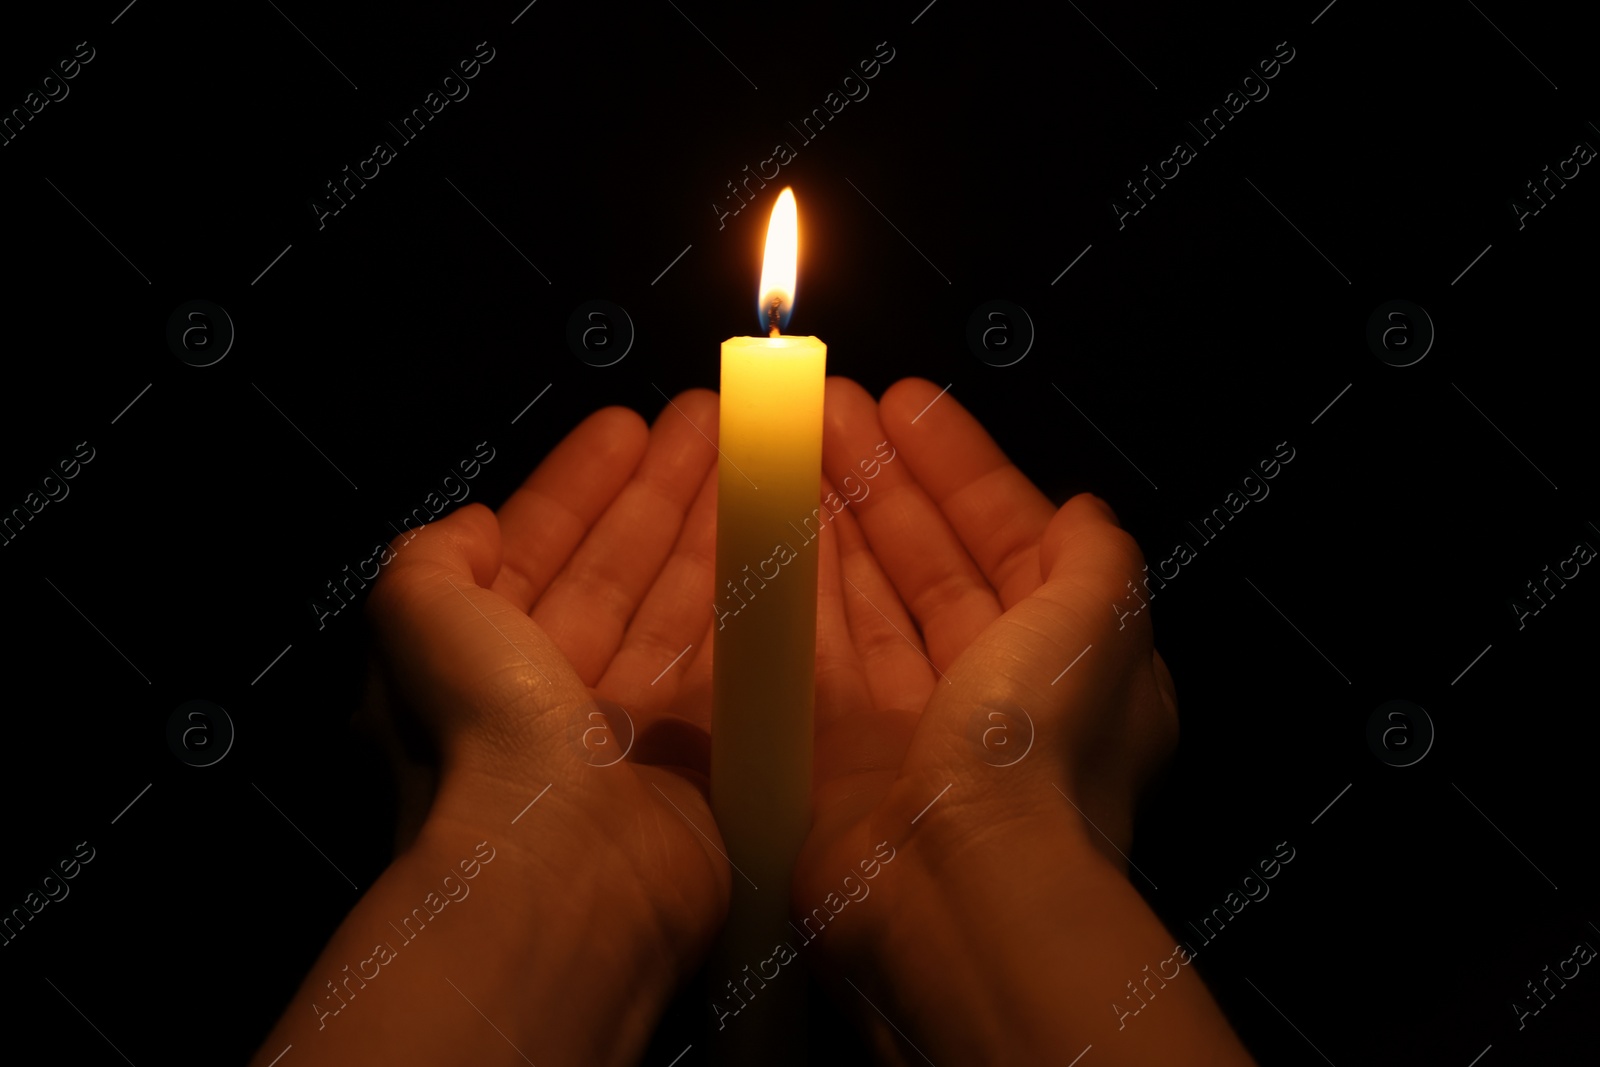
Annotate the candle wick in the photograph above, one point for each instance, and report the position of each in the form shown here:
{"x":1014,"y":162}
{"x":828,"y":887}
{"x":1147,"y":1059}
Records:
{"x":773,"y":332}
{"x":774,"y":310}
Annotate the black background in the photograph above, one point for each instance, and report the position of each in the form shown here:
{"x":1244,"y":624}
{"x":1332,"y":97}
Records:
{"x":986,"y":158}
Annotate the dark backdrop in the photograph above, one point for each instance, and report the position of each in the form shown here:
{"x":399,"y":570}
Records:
{"x":1171,"y":350}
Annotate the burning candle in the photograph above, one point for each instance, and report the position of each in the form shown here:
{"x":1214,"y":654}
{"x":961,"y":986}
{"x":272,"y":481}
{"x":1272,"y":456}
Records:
{"x":768,"y":485}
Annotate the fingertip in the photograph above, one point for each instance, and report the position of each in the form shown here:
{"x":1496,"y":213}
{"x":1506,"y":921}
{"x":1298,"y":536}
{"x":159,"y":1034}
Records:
{"x":620,"y":433}
{"x":699,"y":394}
{"x":1090,"y":522}
{"x":1100,"y":504}
{"x":844,"y":400}
{"x":906,"y":399}
{"x":698,"y":405}
{"x":850,"y":422}
{"x":477,"y":517}
{"x":613,"y":416}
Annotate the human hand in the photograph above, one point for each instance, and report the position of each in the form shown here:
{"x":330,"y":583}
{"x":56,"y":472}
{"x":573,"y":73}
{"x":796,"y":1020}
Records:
{"x":965,"y":595}
{"x":608,"y":547}
{"x":500,"y":632}
{"x":938,"y":579}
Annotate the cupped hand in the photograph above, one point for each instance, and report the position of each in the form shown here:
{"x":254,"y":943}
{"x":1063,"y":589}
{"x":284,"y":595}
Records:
{"x":507,"y":634}
{"x":981,"y":706}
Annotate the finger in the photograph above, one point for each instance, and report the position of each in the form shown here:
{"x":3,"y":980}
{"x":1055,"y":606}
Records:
{"x":693,"y":699}
{"x":1085,"y":551}
{"x":859,"y":741}
{"x":994,"y":509}
{"x":547,"y":517}
{"x":1084,"y":512}
{"x":841,"y":681}
{"x":588,"y":605}
{"x":938,"y":581}
{"x":1095,"y":567}
{"x":652,"y":661}
{"x":478,"y":671}
{"x":898,"y":671}
{"x":1091,"y":564}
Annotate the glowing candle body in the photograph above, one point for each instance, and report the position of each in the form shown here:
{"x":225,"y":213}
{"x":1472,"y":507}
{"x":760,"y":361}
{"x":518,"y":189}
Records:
{"x":763,"y":663}
{"x":769,"y":481}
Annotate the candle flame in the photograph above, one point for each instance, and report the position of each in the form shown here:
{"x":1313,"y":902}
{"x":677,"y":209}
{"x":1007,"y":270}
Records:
{"x":775,"y":299}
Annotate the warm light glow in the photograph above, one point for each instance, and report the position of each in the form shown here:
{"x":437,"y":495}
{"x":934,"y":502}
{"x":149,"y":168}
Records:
{"x":778,"y":266}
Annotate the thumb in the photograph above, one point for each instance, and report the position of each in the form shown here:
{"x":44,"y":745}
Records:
{"x":487,"y":682}
{"x":1030,"y":655}
{"x":1090,"y":566}
{"x":1077,"y":518}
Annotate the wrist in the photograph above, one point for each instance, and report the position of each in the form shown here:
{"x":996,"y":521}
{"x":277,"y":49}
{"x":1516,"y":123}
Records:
{"x":559,"y":944}
{"x":473,"y":948}
{"x":978,"y":923}
{"x":1014,"y":939}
